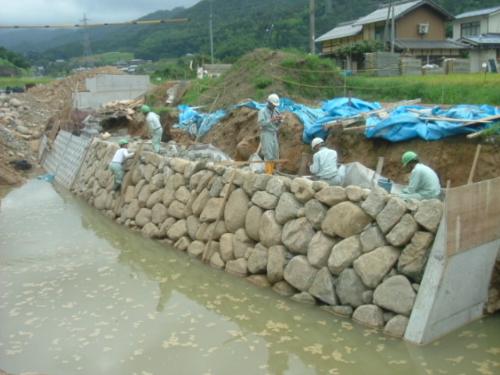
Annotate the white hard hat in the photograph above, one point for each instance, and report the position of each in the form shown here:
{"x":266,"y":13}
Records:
{"x":316,"y":141}
{"x":274,"y":100}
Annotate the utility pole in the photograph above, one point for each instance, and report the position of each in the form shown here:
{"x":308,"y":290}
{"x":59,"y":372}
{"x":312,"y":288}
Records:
{"x":211,"y":25}
{"x":87,"y":50}
{"x":328,"y":6}
{"x":393,"y":31}
{"x":312,"y":26}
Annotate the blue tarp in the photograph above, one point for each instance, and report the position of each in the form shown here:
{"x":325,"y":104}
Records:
{"x":402,"y":124}
{"x":196,"y":123}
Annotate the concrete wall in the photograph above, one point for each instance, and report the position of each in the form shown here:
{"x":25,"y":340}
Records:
{"x":352,"y":251}
{"x":105,"y":88}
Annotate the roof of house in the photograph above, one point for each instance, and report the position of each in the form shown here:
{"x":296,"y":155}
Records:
{"x":482,"y":39}
{"x":341,"y":31}
{"x":400,"y":9}
{"x":429,"y":44}
{"x":479,"y":12}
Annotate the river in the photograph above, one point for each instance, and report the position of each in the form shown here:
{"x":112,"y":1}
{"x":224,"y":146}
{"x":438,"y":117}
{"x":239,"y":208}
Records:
{"x":80,"y":294}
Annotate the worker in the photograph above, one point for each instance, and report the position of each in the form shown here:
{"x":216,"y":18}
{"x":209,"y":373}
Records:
{"x":424,"y":182}
{"x":324,"y":166}
{"x":116,"y":164}
{"x":155,"y":128}
{"x":269,"y":121}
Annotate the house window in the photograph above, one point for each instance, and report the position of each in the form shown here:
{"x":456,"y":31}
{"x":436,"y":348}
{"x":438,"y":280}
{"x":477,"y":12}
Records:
{"x":470,"y":29}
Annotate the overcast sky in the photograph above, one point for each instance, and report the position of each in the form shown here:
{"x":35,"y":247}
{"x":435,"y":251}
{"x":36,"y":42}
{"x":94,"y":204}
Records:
{"x":35,"y":12}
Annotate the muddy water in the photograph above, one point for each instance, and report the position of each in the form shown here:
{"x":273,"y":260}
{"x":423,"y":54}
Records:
{"x":82,"y":295}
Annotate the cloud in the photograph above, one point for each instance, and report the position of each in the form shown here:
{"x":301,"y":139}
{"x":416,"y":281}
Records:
{"x":37,"y":12}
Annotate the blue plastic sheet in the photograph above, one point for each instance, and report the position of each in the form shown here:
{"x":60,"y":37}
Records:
{"x":403,"y":124}
{"x":196,"y":123}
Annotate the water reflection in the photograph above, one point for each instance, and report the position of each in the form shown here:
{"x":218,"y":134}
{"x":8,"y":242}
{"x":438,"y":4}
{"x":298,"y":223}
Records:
{"x":91,"y":297}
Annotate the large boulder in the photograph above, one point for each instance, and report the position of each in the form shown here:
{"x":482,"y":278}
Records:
{"x":343,"y":254}
{"x":429,"y":214}
{"x":276,"y":261}
{"x":159,"y":213}
{"x":265,"y":200}
{"x":322,"y":287}
{"x":200,"y":202}
{"x":350,"y":288}
{"x":354,"y":193}
{"x":319,"y":250}
{"x":373,"y":266}
{"x":212,"y":210}
{"x":257,"y":261}
{"x":287,"y":208}
{"x":396,"y":326}
{"x":145,"y":193}
{"x":315,"y":212}
{"x":155,"y":198}
{"x":193,"y":225}
{"x":403,"y":231}
{"x":395,"y":294}
{"x":252,"y":222}
{"x":297,"y":235}
{"x":369,"y":315}
{"x":237,"y":267}
{"x":375,"y":202}
{"x":177,"y":210}
{"x":241,"y":243}
{"x":391,"y":214}
{"x":299,"y":273}
{"x":270,"y":230}
{"x":143,"y":217}
{"x":331,"y":195}
{"x":148,"y":172}
{"x":371,"y":238}
{"x":226,"y":247}
{"x":276,"y":185}
{"x":284,"y":289}
{"x":236,"y":209}
{"x":345,"y":220}
{"x":196,"y":248}
{"x":182,"y":194}
{"x":168,"y":197}
{"x":302,"y":188}
{"x":132,"y":209}
{"x":413,"y":257}
{"x":150,"y":230}
{"x":178,"y":230}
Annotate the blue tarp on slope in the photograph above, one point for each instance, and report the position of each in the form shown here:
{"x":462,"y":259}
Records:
{"x":403,"y":124}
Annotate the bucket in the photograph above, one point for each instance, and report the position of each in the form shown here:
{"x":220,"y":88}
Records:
{"x":385,"y":184}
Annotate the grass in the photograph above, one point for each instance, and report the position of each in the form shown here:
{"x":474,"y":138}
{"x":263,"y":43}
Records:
{"x":22,"y":81}
{"x":439,"y":89}
{"x":198,"y":89}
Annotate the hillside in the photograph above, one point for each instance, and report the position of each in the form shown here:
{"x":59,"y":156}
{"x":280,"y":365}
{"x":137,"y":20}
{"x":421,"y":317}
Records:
{"x":239,"y":26}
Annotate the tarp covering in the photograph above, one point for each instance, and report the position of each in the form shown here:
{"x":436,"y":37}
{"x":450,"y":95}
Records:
{"x":405,"y":124}
{"x":196,"y":123}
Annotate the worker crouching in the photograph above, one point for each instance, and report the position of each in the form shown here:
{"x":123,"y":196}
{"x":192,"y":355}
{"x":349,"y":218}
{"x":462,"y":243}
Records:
{"x":324,"y":166}
{"x":116,"y":165}
{"x":424,"y":182}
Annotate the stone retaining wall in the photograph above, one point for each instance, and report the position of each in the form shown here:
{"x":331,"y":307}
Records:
{"x":355,"y":252}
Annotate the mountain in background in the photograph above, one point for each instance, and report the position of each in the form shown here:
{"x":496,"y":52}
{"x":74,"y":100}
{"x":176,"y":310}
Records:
{"x":239,"y":26}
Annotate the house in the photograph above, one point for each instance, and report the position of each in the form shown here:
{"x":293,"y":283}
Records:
{"x":480,"y":29}
{"x":419,"y":31}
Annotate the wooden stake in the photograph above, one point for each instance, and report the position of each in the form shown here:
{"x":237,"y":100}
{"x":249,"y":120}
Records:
{"x":474,"y":165}
{"x":378,"y":170}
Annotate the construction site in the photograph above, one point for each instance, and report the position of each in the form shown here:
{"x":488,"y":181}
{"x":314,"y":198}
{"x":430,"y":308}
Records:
{"x":355,"y":266}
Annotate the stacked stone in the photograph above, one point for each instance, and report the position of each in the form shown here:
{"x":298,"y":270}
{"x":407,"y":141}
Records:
{"x":356,"y":252}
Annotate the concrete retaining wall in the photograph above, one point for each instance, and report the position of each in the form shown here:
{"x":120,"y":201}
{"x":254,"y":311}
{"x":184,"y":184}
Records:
{"x":355,"y":252}
{"x":105,"y":88}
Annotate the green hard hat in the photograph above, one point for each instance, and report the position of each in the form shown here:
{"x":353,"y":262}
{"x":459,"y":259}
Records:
{"x":408,"y":156}
{"x":145,"y":109}
{"x":123,"y":142}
